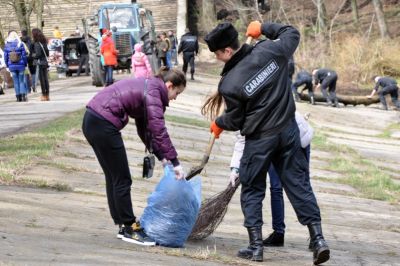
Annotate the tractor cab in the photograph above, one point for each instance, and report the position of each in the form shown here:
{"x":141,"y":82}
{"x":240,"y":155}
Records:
{"x":130,"y":24}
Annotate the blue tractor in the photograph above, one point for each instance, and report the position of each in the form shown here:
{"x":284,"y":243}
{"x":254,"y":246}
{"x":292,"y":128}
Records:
{"x":130,"y":23}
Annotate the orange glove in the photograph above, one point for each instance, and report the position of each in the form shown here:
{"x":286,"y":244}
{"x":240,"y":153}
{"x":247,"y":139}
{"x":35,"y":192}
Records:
{"x":254,"y":29}
{"x":216,"y":130}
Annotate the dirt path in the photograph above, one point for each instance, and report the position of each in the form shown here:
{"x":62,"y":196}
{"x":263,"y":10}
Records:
{"x":39,"y":226}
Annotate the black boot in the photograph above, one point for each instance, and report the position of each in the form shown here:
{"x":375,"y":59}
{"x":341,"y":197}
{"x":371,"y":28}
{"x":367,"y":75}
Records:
{"x":19,"y":98}
{"x":191,"y":76}
{"x":318,"y":244}
{"x":24,"y":98}
{"x":255,"y":249}
{"x":274,"y":240}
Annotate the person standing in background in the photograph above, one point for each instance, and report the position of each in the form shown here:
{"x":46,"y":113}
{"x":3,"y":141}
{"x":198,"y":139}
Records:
{"x":16,"y":60}
{"x":110,"y":56}
{"x":57,"y":33}
{"x":28,"y":73}
{"x":167,"y":49}
{"x":189,"y":45}
{"x":40,"y":55}
{"x":140,"y":63}
{"x":174,"y":44}
{"x":83,"y":57}
{"x":162,"y":49}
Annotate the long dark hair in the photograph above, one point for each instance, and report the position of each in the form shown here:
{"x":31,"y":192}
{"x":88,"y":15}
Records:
{"x":175,"y":76}
{"x":212,"y":106}
{"x":38,"y":36}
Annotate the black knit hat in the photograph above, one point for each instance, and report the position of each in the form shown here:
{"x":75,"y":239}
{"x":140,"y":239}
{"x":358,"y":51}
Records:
{"x":221,"y":36}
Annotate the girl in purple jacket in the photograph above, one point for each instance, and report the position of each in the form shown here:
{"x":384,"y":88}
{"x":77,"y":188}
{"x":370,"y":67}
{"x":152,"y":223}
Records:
{"x":107,"y":113}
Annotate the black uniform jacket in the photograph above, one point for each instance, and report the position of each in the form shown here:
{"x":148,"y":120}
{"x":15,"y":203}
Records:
{"x":322,"y":74}
{"x":255,"y":87}
{"x":384,"y":82}
{"x":189,"y":43}
{"x":304,"y":75}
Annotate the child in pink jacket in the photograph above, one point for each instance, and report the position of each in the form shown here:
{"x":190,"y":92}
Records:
{"x":140,"y":63}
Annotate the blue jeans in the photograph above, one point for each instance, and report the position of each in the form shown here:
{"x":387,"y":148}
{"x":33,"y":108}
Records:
{"x":19,"y":83}
{"x":109,"y":75}
{"x":174,"y":57}
{"x":169,"y":64}
{"x":277,"y":202}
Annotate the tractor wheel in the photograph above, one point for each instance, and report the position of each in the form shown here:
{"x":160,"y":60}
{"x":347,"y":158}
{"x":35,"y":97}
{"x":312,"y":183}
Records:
{"x":96,"y":69}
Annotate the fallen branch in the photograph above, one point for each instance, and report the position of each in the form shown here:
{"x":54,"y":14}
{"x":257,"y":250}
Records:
{"x":345,"y":99}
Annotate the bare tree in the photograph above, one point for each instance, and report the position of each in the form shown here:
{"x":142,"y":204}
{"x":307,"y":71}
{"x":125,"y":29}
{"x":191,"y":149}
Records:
{"x":381,"y":18}
{"x":322,"y":18}
{"x":2,"y":39}
{"x":354,"y":10}
{"x":23,"y":10}
{"x":39,"y":13}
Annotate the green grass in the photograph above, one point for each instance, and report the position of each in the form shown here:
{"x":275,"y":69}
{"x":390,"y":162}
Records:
{"x":360,"y":173}
{"x":387,"y":132}
{"x":187,"y":121}
{"x":20,"y":151}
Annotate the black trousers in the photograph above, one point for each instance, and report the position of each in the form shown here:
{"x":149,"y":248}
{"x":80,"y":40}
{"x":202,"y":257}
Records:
{"x":329,"y":82}
{"x":109,"y":148}
{"x":393,"y":91}
{"x":44,"y":80}
{"x":300,"y":82}
{"x":83,"y":60}
{"x":188,"y":58}
{"x":290,"y":162}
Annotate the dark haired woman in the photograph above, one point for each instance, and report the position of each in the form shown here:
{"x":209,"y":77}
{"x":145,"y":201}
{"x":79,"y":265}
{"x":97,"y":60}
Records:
{"x":107,"y":113}
{"x":40,"y":54}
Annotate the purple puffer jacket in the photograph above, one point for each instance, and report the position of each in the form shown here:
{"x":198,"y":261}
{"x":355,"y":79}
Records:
{"x":124,"y":99}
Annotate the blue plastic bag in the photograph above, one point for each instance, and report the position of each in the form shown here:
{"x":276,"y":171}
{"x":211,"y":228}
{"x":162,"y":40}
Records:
{"x":172,"y":209}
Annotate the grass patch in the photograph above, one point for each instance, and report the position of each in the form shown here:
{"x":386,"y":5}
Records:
{"x":20,"y":151}
{"x":187,"y":121}
{"x":43,"y":184}
{"x":62,"y":166}
{"x":357,"y":171}
{"x":387,"y":132}
{"x":320,"y":142}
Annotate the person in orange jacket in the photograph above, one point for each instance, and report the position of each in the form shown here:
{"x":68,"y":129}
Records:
{"x":110,"y":56}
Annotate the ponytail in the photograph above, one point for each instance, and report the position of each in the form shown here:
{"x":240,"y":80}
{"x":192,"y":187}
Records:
{"x":211,"y":107}
{"x":175,"y":76}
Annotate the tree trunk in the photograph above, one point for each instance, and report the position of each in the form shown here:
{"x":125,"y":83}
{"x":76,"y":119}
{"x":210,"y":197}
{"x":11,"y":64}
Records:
{"x":2,"y":39}
{"x":20,"y":12}
{"x":354,"y":10}
{"x":39,"y":13}
{"x":345,"y":99}
{"x":322,"y":18}
{"x":181,"y":18}
{"x":381,"y":18}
